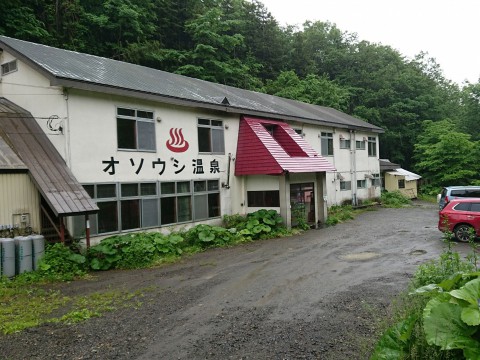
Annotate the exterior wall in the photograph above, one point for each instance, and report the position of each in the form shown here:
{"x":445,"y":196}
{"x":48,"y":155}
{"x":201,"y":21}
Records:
{"x":18,"y":195}
{"x":88,"y":142}
{"x":391,"y":184}
{"x":351,"y":164}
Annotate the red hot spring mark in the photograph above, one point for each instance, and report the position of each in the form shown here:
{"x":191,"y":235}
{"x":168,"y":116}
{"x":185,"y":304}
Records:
{"x":177,"y":143}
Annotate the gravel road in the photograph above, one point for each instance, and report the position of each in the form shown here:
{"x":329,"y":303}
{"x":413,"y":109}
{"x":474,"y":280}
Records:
{"x":318,"y":295}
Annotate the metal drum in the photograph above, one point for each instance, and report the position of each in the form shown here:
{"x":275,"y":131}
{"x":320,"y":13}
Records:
{"x":23,"y":254}
{"x":38,"y":249}
{"x":8,"y":257}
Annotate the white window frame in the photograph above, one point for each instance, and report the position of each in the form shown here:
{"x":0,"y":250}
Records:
{"x":211,"y":129}
{"x":326,"y":143}
{"x":145,"y":139}
{"x":9,"y":67}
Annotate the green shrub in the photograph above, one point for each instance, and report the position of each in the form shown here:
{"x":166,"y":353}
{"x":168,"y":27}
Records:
{"x":338,"y":214}
{"x":394,"y":199}
{"x":60,"y":263}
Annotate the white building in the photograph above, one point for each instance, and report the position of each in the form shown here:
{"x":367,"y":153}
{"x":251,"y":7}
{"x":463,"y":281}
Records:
{"x":154,"y":149}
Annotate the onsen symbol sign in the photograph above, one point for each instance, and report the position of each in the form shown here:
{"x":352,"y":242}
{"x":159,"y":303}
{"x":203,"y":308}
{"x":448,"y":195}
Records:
{"x":177,"y":143}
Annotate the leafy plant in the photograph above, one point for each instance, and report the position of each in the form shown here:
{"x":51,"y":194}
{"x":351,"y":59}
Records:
{"x":338,"y":214}
{"x":61,"y":263}
{"x":394,"y":199}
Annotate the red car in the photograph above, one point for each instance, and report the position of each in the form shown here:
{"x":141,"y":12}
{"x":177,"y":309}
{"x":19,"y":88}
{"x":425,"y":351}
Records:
{"x":461,"y":217}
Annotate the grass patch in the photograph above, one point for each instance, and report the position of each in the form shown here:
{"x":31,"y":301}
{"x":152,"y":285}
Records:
{"x":24,"y":306}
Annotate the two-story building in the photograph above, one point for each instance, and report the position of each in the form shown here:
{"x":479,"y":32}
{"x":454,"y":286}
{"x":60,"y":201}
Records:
{"x":113,"y":147}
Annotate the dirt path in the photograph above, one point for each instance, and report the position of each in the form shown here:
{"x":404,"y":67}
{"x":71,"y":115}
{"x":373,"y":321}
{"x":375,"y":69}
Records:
{"x":314,"y":296}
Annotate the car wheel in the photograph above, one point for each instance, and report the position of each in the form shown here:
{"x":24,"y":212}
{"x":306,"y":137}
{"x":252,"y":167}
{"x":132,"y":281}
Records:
{"x":463,"y":232}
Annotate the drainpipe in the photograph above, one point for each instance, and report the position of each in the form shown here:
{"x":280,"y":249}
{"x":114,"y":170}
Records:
{"x":353,"y":167}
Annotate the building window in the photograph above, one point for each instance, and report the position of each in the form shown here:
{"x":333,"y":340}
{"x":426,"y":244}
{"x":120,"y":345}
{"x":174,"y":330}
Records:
{"x":131,"y":206}
{"x":206,"y":199}
{"x":345,"y":185}
{"x":361,"y":184}
{"x":401,"y":184}
{"x":269,"y":198}
{"x":376,"y":181}
{"x":372,"y":146}
{"x":135,"y":130}
{"x":9,"y":67}
{"x":326,"y":140}
{"x":360,"y":145}
{"x":210,"y":136}
{"x":344,"y":144}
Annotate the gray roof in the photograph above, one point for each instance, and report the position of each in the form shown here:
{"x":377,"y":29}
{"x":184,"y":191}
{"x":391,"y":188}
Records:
{"x":48,"y":170}
{"x":94,"y":73}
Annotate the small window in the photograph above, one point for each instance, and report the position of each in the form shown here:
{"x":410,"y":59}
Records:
{"x":345,"y":185}
{"x":9,"y":67}
{"x":372,"y":146}
{"x":263,"y":198}
{"x":376,"y":181}
{"x":326,"y":140}
{"x":401,"y":184}
{"x":361,"y":184}
{"x":344,"y":144}
{"x":210,"y":136}
{"x":135,"y":129}
{"x":360,"y":145}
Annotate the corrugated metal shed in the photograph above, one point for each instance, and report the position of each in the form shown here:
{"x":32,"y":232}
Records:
{"x":94,"y":73}
{"x":47,"y":168}
{"x":283,"y":150}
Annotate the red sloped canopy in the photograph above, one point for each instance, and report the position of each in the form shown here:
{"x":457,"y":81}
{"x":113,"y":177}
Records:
{"x":270,"y":147}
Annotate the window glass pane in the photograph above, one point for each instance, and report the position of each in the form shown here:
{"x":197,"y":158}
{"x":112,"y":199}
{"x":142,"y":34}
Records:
{"x":263,"y":198}
{"x":79,"y":226}
{"x":168,"y":210}
{"x":126,"y":112}
{"x":204,"y":140}
{"x":90,"y":189}
{"x":149,"y":212}
{"x":106,"y":191}
{"x":217,"y":123}
{"x":401,"y":184}
{"x":148,"y":189}
{"x":129,"y":190}
{"x":203,"y":122}
{"x":184,"y":205}
{"x":475,"y":207}
{"x":183,"y":187}
{"x":126,"y":134}
{"x":199,"y":186}
{"x":130,"y":214}
{"x":107,"y":217}
{"x":167,"y":188}
{"x":212,"y":185}
{"x":146,"y":135}
{"x":462,"y":207}
{"x":201,"y":209}
{"x":213,"y":205}
{"x":145,"y":114}
{"x":218,"y":143}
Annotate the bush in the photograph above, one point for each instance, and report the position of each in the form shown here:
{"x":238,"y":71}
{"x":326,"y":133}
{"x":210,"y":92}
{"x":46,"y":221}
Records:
{"x":338,"y":214}
{"x":61,"y":263}
{"x":394,"y":199}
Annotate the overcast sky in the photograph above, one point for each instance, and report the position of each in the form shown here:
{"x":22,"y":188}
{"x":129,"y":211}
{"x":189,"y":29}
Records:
{"x":448,"y":30}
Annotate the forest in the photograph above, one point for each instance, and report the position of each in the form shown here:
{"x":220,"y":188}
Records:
{"x":432,"y":125}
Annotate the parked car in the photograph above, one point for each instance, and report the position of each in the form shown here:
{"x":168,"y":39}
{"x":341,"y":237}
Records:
{"x":461,"y":217}
{"x":453,"y":192}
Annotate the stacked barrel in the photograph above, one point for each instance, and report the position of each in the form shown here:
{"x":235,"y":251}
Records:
{"x":20,"y":254}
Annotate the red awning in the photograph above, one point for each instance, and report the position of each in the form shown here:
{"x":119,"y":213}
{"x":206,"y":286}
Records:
{"x":271,"y":147}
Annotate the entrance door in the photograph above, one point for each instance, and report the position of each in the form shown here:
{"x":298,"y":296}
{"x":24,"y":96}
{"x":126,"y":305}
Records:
{"x":302,"y":201}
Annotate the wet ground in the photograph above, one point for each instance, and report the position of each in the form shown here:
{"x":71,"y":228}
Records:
{"x":318,"y":295}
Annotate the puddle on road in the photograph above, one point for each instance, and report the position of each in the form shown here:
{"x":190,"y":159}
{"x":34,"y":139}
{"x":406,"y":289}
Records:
{"x":368,"y":255}
{"x":417,"y":252}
